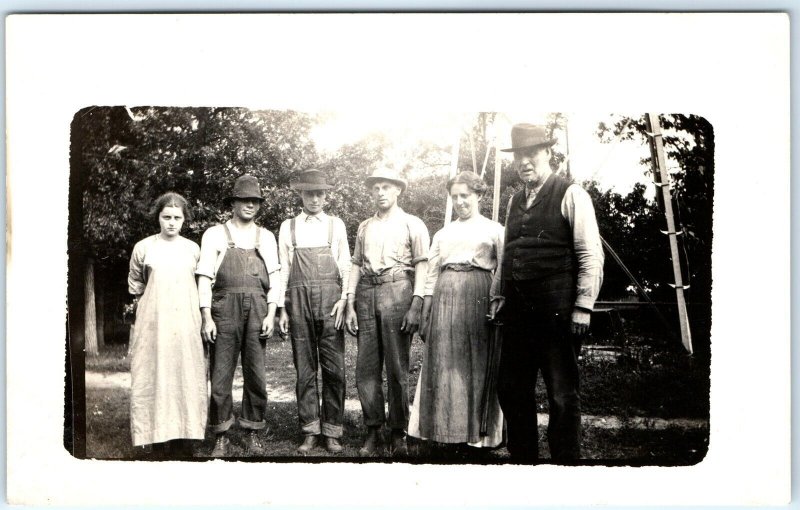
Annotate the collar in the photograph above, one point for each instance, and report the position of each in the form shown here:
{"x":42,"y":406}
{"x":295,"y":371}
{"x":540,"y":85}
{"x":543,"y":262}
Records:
{"x":396,"y":212}
{"x":538,"y":188}
{"x":303,"y":216}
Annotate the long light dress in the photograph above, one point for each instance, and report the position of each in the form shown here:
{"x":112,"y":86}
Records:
{"x":447,"y":403}
{"x":169,"y":393}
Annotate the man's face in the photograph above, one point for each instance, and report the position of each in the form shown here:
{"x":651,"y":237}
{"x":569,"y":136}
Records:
{"x":245,"y":208}
{"x":384,"y":194}
{"x":533,"y":165}
{"x":313,"y":201}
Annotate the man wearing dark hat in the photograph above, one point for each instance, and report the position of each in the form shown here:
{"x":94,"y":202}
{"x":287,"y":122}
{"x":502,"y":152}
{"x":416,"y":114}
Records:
{"x":239,"y":289}
{"x":315,"y":260}
{"x":384,"y":301}
{"x":549,"y":279}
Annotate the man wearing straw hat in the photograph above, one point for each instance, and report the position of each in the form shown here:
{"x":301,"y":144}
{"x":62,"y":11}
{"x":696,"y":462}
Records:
{"x":550,"y":276}
{"x":315,"y":260}
{"x":384,"y":301}
{"x":239,"y":289}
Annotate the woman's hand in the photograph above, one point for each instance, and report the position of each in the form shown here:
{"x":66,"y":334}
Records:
{"x":209,"y":330}
{"x":425,"y":316}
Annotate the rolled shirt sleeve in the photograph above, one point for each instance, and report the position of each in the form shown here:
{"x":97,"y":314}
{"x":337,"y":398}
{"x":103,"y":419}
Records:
{"x":578,"y":210}
{"x":269,"y":252}
{"x":284,"y":242}
{"x":420,"y":240}
{"x":342,"y":253}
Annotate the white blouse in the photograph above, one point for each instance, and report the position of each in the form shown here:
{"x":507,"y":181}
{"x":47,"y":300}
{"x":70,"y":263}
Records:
{"x":477,"y":241}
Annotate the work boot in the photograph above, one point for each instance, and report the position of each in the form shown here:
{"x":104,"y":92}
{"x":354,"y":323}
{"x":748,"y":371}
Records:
{"x":398,"y":446}
{"x":370,"y":443}
{"x":309,"y":443}
{"x":333,"y":445}
{"x":221,"y":446}
{"x":252,"y":443}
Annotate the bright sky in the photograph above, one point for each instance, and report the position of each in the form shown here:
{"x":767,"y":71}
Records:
{"x":614,"y":165}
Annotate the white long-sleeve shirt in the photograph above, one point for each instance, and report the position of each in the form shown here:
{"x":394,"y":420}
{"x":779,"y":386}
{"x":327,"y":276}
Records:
{"x":312,"y":231}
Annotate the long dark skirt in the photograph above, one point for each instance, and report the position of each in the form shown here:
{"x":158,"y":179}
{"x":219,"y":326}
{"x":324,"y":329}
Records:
{"x":447,"y":405}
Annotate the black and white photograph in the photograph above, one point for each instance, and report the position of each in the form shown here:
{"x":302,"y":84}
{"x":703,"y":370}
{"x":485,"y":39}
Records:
{"x":220,"y":311}
{"x":479,"y":259}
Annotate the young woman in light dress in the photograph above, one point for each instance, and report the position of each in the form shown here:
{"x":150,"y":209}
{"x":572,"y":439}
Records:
{"x":169,"y":395}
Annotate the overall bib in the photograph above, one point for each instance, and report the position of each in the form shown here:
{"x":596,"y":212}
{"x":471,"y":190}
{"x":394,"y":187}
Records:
{"x":238,"y":306}
{"x":313,"y":289}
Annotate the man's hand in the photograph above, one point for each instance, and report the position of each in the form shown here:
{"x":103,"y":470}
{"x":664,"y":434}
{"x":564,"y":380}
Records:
{"x":283,"y":322}
{"x":268,"y":324}
{"x":351,"y":319}
{"x":495,"y":306}
{"x":580,"y":321}
{"x":410,"y":323}
{"x":338,"y":312}
{"x":209,"y":330}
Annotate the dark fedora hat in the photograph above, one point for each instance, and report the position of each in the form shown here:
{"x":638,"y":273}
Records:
{"x":527,"y":136}
{"x":246,"y":186}
{"x":310,"y":180}
{"x":387,"y":174}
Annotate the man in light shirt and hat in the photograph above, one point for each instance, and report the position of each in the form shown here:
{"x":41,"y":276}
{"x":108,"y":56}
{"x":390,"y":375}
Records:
{"x":239,"y":287}
{"x":315,"y":260}
{"x":384,"y":300}
{"x":546,"y":287}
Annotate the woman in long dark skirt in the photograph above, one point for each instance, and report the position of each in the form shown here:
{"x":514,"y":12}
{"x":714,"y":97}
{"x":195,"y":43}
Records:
{"x":450,"y":393}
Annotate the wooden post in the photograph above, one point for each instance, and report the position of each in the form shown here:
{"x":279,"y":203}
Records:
{"x":661,"y":174}
{"x":448,"y":208}
{"x":497,"y":178}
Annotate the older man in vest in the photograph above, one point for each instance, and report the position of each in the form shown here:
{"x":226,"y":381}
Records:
{"x":550,"y":276}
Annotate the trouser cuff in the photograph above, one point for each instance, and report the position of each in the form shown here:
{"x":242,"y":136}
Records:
{"x":252,"y":425}
{"x":311,"y":429}
{"x":331,"y":430}
{"x":219,"y":428}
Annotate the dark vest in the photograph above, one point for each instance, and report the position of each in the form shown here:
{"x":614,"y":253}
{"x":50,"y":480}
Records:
{"x":539,"y":239}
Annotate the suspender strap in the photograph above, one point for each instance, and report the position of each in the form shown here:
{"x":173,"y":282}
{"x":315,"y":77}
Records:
{"x":228,"y":235}
{"x":330,"y":231}
{"x":294,"y":238}
{"x":231,"y":244}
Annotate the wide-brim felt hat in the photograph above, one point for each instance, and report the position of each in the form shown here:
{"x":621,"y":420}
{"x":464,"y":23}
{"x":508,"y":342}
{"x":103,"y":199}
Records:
{"x":528,"y":136}
{"x":310,"y":180}
{"x":246,"y":186}
{"x":386,"y":174}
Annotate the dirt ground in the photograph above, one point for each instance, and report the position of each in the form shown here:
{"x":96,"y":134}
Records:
{"x":620,"y":430}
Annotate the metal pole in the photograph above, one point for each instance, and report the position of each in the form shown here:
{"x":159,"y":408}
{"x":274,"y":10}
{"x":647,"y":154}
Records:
{"x":659,"y":166}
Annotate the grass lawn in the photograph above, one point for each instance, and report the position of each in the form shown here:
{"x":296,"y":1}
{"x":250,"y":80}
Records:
{"x":661,"y":386}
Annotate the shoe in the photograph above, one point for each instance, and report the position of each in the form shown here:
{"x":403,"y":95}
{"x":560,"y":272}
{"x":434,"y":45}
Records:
{"x":398,"y":446}
{"x":370,"y":443}
{"x":333,"y":445}
{"x":309,"y":443}
{"x":253,"y":444}
{"x":221,"y":446}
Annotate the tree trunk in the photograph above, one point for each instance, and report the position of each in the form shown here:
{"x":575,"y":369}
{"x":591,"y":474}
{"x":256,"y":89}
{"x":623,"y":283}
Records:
{"x":101,"y":309}
{"x":91,"y":314}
